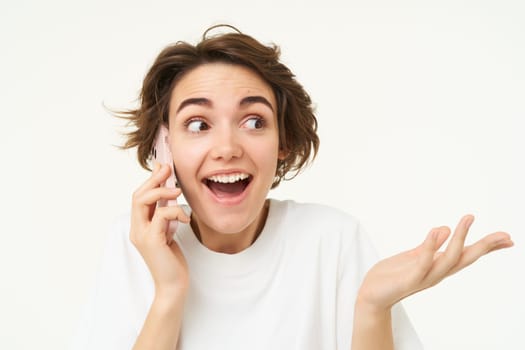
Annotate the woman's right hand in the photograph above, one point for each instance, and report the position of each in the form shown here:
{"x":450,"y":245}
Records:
{"x":149,"y":233}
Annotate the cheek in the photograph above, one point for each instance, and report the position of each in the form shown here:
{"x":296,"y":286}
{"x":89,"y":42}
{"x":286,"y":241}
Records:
{"x":267,"y":154}
{"x":269,"y":158}
{"x":187,"y":158}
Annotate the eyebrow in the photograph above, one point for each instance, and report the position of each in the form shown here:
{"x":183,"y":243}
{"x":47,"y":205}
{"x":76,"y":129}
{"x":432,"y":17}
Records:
{"x":199,"y":101}
{"x":248,"y":100}
{"x":202,"y":101}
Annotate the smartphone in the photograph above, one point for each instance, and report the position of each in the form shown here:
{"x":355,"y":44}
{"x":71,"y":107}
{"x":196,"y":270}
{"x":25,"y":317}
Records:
{"x":162,"y":154}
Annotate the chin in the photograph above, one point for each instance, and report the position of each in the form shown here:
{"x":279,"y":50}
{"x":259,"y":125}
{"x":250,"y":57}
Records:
{"x":229,"y":221}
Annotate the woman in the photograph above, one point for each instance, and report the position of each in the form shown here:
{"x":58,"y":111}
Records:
{"x":243,"y":271}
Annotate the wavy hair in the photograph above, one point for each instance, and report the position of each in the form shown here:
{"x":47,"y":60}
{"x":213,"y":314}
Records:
{"x":297,"y":124}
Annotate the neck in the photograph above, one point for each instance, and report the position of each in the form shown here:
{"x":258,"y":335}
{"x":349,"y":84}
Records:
{"x":230,"y":243}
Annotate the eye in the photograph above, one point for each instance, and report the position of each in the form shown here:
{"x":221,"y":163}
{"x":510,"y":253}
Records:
{"x":197,"y":125}
{"x":254,"y":123}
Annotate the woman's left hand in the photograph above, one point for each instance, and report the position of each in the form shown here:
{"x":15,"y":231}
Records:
{"x":399,"y":276}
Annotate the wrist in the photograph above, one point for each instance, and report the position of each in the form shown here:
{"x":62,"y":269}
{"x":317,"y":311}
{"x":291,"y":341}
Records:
{"x":169,"y":299}
{"x":371,"y":311}
{"x":372,"y":327}
{"x":172,"y":289}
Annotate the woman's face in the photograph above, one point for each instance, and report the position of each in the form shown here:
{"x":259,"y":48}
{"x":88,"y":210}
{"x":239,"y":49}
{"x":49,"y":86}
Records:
{"x":225,"y":145}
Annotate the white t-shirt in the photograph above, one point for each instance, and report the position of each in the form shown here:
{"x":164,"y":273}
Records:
{"x":294,"y":288}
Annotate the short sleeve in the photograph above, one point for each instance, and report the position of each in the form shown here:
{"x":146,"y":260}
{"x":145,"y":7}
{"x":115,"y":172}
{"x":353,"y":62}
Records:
{"x":357,"y":256}
{"x":117,"y":307}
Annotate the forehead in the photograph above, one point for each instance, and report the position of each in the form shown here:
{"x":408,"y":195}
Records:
{"x":222,"y":83}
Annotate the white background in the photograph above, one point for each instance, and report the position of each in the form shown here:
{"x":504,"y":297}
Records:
{"x":420,"y":105}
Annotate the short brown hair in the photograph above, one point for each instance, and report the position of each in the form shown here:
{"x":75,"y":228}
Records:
{"x":296,"y":121}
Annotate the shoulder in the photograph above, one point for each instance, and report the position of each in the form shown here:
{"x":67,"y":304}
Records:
{"x":312,"y":219}
{"x":313,"y":214}
{"x":335,"y":237}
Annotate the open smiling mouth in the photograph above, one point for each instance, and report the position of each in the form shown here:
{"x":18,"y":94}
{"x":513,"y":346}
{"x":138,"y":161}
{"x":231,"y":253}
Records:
{"x":228,"y":186}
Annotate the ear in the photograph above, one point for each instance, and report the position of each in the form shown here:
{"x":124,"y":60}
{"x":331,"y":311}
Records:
{"x":165,"y":132}
{"x":282,"y":154}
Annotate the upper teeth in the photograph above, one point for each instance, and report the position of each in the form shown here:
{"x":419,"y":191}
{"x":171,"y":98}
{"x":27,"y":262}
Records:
{"x":228,"y":178}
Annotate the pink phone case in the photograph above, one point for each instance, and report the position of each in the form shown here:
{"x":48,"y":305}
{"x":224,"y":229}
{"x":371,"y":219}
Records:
{"x":162,"y":154}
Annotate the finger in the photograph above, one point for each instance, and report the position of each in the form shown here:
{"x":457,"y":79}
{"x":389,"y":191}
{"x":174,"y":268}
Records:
{"x":153,"y":199}
{"x":156,"y":166}
{"x":154,"y":195}
{"x":454,"y":250}
{"x":429,"y":247}
{"x":159,"y":175}
{"x":442,"y":234}
{"x":159,"y":222}
{"x":142,"y":202}
{"x":144,"y":205}
{"x":490,"y":243}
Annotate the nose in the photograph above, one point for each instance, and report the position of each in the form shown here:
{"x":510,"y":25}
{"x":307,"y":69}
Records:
{"x":226,"y":145}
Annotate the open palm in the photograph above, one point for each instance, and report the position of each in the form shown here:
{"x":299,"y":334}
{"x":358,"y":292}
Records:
{"x":401,"y":275}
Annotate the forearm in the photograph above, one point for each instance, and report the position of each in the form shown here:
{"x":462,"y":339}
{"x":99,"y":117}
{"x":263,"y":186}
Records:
{"x":372,"y":329}
{"x":162,"y":325}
